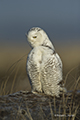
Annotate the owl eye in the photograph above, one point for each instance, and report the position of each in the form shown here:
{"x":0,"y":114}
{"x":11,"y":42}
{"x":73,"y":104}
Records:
{"x":34,"y":36}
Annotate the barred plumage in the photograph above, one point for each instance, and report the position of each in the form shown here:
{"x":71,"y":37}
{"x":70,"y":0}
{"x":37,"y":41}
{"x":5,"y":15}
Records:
{"x":44,"y":65}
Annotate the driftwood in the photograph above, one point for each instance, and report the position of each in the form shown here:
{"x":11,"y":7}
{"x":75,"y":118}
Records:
{"x":28,"y":106}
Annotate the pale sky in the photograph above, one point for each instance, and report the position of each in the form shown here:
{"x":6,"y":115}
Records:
{"x":59,"y":18}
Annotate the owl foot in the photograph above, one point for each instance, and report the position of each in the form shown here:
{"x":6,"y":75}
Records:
{"x":36,"y":93}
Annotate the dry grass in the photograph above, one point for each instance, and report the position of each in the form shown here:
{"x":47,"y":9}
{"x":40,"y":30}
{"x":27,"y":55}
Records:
{"x":13,"y":75}
{"x":72,"y":82}
{"x":67,"y":110}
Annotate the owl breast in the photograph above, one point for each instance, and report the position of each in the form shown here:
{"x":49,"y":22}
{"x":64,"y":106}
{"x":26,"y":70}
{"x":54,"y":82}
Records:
{"x":34,"y":69}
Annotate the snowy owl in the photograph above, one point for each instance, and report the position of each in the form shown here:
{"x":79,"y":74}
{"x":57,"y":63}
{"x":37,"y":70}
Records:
{"x":44,"y":66}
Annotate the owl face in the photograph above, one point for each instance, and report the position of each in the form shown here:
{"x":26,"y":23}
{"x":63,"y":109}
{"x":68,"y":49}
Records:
{"x":35,"y":37}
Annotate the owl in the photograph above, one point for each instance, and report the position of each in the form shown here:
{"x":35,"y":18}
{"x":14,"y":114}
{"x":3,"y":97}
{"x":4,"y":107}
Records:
{"x":44,"y":66}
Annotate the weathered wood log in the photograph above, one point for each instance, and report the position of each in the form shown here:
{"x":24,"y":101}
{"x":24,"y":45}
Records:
{"x":25,"y":105}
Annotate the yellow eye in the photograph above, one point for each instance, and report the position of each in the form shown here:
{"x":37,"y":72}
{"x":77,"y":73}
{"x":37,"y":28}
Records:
{"x":34,"y":36}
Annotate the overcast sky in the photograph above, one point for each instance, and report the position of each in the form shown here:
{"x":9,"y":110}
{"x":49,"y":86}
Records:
{"x":59,"y":18}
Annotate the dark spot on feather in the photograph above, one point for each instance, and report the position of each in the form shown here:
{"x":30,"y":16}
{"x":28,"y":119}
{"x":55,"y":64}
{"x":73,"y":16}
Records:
{"x":40,"y":61}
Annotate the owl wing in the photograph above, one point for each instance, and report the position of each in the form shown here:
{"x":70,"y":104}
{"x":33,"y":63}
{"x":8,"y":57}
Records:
{"x":51,"y":75}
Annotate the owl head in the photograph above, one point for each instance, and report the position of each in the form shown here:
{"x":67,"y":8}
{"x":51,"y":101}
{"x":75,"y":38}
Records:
{"x":37,"y":37}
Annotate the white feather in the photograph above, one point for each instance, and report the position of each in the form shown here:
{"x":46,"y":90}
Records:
{"x":44,"y":65}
